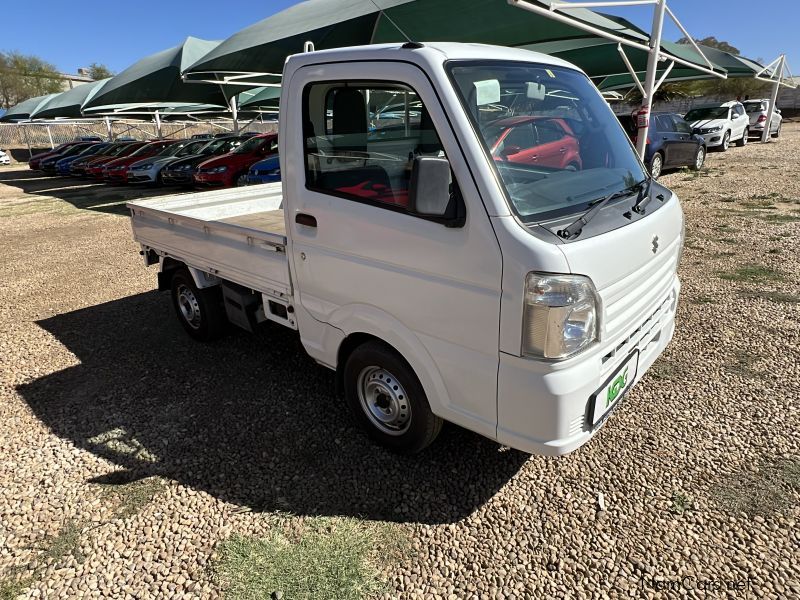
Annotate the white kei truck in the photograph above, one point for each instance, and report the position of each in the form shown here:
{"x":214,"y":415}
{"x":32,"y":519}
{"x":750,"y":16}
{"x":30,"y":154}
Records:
{"x":429,"y":244}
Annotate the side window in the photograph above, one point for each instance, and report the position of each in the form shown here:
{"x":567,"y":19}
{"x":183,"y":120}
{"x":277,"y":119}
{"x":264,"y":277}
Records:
{"x":361,"y":139}
{"x":681,"y":125}
{"x":548,"y":131}
{"x":664,"y":123}
{"x":521,"y":136}
{"x":739,"y":109}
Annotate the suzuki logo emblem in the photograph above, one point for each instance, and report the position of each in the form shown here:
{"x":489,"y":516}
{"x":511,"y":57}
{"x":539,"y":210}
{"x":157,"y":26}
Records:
{"x":655,"y":244}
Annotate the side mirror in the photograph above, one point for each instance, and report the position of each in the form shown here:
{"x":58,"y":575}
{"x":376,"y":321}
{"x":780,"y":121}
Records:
{"x":429,"y":190}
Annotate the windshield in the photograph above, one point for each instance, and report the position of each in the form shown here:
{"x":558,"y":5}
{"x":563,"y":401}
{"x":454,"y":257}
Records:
{"x":220,"y":146}
{"x":250,"y":145}
{"x":754,"y":107}
{"x":172,"y":149}
{"x":144,"y":149}
{"x":130,"y":149}
{"x":192,"y":148}
{"x":709,"y":112}
{"x":554,"y":141}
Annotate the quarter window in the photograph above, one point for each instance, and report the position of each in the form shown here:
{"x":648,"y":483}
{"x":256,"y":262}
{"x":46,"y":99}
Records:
{"x":361,"y":140}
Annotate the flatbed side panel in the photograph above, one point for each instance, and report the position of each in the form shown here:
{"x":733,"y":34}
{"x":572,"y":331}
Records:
{"x":253,"y":258}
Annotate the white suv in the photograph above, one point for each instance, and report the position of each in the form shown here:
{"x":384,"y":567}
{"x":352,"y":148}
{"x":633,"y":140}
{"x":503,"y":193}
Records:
{"x":720,"y":124}
{"x":5,"y":159}
{"x":758,"y":111}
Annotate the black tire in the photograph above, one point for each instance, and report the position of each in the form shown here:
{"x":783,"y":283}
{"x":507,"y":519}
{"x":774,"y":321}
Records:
{"x":240,"y":180}
{"x":699,"y":160}
{"x":777,"y":133}
{"x":743,"y":142}
{"x":200,"y":311}
{"x":375,"y":374}
{"x":726,"y":142}
{"x":656,"y":166}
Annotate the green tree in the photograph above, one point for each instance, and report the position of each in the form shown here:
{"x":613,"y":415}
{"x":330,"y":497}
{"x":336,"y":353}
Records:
{"x":99,"y":71}
{"x":712,"y":42}
{"x":25,"y":76}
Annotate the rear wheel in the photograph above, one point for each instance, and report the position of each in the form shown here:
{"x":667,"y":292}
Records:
{"x":387,"y":399}
{"x":656,"y":165}
{"x":777,"y":131}
{"x":745,"y":135}
{"x":699,"y":158}
{"x":200,"y":311}
{"x":241,"y":179}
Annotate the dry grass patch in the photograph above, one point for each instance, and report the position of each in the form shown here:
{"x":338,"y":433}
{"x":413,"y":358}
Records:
{"x":752,"y":273}
{"x":763,"y":491}
{"x":330,"y":558}
{"x":133,"y":496}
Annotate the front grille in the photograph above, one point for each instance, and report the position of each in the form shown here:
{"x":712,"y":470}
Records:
{"x":628,"y":343}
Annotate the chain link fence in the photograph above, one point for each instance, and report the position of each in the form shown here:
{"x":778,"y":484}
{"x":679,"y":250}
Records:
{"x":21,"y":140}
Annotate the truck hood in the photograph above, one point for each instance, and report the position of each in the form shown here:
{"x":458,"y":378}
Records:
{"x":632,"y":267}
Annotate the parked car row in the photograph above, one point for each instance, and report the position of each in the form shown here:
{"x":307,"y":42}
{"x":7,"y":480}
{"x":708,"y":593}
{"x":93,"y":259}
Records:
{"x":205,"y":161}
{"x":683,"y":141}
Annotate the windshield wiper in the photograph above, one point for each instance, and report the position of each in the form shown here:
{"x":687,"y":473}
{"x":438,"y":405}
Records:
{"x":575,"y":228}
{"x":645,"y":198}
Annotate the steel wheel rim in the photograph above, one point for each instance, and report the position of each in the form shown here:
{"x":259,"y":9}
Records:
{"x":189,"y":306}
{"x":744,"y":137}
{"x":384,"y":401}
{"x":726,"y":141}
{"x":700,"y":159}
{"x":655,"y":168}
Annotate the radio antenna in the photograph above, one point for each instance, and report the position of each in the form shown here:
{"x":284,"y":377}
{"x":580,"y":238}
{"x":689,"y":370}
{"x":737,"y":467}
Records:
{"x":410,"y":43}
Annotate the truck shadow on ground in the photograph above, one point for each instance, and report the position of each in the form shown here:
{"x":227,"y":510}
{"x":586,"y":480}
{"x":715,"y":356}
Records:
{"x":251,"y":420}
{"x":83,"y":194}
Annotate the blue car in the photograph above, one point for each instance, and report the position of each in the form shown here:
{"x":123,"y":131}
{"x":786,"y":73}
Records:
{"x":62,"y":165}
{"x":267,"y":170}
{"x":671,"y":143}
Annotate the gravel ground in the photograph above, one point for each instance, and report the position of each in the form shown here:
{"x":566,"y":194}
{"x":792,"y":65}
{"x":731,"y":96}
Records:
{"x":128,"y":453}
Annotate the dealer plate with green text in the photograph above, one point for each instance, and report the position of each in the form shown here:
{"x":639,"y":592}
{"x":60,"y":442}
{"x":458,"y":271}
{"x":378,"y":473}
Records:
{"x":607,"y":397}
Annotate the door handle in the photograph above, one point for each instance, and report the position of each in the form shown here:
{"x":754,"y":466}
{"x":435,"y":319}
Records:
{"x":562,"y":150}
{"x":665,"y":138}
{"x":305,"y":219}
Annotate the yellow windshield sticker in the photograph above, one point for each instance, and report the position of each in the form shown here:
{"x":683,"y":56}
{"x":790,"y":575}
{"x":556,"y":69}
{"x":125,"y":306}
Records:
{"x":549,"y":72}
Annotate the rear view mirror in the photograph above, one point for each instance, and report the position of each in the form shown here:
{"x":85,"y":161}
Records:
{"x":535,"y":91}
{"x":487,"y":92}
{"x":429,"y":190}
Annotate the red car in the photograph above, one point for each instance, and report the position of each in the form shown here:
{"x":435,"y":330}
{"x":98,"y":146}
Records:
{"x":95,"y":169}
{"x":532,"y":140}
{"x":116,"y":171}
{"x":226,"y":170}
{"x":36,"y":159}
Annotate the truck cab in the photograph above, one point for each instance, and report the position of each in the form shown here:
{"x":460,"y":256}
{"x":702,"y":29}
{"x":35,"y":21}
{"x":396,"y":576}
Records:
{"x":441,"y":279}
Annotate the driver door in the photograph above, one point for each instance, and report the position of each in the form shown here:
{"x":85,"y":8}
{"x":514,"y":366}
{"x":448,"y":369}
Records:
{"x":361,"y":260}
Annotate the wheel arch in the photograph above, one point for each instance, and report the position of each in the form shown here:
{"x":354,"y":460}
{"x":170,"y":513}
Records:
{"x":167,"y":267}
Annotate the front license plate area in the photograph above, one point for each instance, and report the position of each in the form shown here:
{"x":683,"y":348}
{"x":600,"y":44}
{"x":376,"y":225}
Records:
{"x":608,"y":396}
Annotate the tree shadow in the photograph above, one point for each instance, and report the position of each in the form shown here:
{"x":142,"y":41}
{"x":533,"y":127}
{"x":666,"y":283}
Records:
{"x":251,"y":420}
{"x":84,"y":194}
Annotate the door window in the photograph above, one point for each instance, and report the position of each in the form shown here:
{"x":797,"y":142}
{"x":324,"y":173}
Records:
{"x":361,"y":140}
{"x":664,"y":123}
{"x":681,"y":125}
{"x":548,"y":131}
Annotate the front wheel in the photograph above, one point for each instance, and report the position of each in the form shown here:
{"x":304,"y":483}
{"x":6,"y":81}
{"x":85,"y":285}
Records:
{"x":777,"y":131}
{"x":656,"y":165}
{"x":726,"y":142}
{"x":387,"y":399}
{"x":241,"y":180}
{"x":699,"y":159}
{"x":200,"y":311}
{"x":745,"y":135}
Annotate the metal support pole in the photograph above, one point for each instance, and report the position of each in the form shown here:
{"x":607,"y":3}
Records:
{"x":650,"y":76}
{"x":27,"y":140}
{"x":235,"y":113}
{"x":158,"y":124}
{"x":109,"y":130}
{"x":773,"y":99}
{"x":50,"y":137}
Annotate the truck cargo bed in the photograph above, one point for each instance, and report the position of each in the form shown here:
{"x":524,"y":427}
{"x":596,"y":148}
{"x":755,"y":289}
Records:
{"x":236,"y":234}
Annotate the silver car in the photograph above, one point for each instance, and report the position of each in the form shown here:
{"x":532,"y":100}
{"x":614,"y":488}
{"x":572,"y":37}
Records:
{"x":757,"y":111}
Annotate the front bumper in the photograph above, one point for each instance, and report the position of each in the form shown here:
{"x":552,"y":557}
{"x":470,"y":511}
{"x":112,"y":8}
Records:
{"x":211,"y":179}
{"x":712,"y":139}
{"x":141,"y":177}
{"x":543,"y":408}
{"x":116,"y":176}
{"x":176,"y":177}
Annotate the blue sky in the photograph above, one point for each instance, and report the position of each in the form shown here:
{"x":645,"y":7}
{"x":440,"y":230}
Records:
{"x":73,"y":34}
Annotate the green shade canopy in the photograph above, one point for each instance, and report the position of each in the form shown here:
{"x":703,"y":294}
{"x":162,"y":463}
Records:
{"x":256,"y":54}
{"x":264,"y":97}
{"x":734,"y":66}
{"x":23,"y":110}
{"x":68,"y":104}
{"x":156,"y":80}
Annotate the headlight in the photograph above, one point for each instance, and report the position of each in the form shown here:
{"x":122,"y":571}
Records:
{"x":142,"y":167}
{"x":714,"y":129}
{"x":221,"y":169}
{"x":560,"y":315}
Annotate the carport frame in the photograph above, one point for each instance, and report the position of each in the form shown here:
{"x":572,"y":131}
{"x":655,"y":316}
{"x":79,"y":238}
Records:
{"x":780,"y":68}
{"x":655,"y":54}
